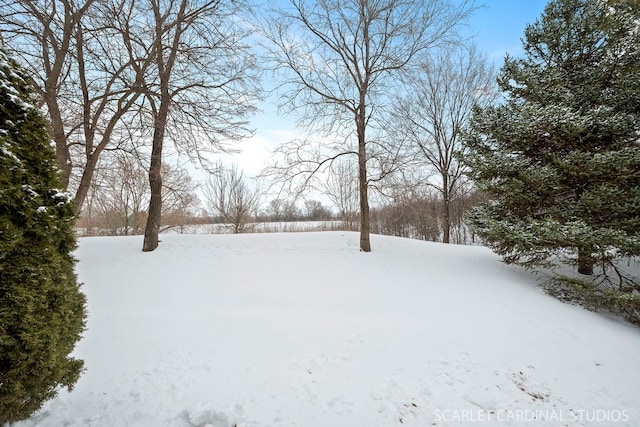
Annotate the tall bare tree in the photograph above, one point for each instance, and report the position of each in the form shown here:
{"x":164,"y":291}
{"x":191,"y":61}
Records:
{"x":41,"y":35}
{"x":342,"y":58}
{"x":435,"y":111}
{"x":201,"y":88}
{"x":86,"y":82}
{"x":127,"y":72}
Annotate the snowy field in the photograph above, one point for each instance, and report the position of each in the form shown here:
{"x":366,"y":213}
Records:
{"x":259,"y":227}
{"x":301,"y":329}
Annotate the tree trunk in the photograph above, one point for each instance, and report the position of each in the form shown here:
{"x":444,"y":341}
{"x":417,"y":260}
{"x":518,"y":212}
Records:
{"x":51,"y":86}
{"x":446,"y":221}
{"x":585,"y":261}
{"x":85,"y":181}
{"x":62,"y":149}
{"x":365,"y":226}
{"x":152,"y":228}
{"x":446,"y":213}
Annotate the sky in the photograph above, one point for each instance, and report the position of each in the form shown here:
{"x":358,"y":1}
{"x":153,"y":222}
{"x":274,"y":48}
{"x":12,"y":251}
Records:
{"x":497,"y":26}
{"x":500,"y":25}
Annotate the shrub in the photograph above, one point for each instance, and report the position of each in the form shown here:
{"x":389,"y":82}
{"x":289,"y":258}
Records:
{"x":598,"y":294}
{"x":42,"y":311}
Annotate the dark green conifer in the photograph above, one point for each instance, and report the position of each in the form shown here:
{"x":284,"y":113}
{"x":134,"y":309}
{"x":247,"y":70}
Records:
{"x":42,"y":310}
{"x":560,"y":157}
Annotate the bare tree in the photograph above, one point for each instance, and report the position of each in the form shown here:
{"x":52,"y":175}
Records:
{"x":411,"y":214}
{"x":119,"y":195}
{"x":276,"y":209}
{"x":123,"y":193}
{"x":416,"y":212}
{"x":342,"y":58}
{"x":284,"y":209}
{"x":116,"y":201}
{"x":41,"y":34}
{"x":435,"y":111}
{"x":86,"y":82}
{"x":201,"y":86}
{"x":290,"y":210}
{"x":316,"y":211}
{"x":341,"y":187}
{"x":179,"y":199}
{"x":230,"y":197}
{"x":115,"y":73}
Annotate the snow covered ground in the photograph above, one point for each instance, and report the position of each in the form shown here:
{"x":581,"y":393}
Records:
{"x":259,"y":227}
{"x":302,"y":329}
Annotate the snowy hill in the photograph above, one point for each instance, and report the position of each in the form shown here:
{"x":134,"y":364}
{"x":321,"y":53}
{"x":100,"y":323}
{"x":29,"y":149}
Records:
{"x":301,"y":329}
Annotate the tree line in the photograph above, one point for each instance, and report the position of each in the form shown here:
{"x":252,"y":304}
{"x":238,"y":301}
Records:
{"x":117,"y":200}
{"x":392,"y":95}
{"x":126,"y":75}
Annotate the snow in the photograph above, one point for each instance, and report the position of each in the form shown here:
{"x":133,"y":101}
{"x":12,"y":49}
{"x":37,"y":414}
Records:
{"x":6,"y":152}
{"x":302,"y":329}
{"x":11,"y":93}
{"x":63,"y":196}
{"x":259,"y":227}
{"x":30,"y":191}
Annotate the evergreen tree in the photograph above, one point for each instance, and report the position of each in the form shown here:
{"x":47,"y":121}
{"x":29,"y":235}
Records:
{"x":560,"y":157}
{"x":42,"y":311}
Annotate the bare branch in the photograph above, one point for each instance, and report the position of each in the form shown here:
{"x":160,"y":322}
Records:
{"x":340,"y":60}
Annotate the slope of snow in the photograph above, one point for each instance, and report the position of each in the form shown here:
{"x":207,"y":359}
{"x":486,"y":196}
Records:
{"x":302,"y":329}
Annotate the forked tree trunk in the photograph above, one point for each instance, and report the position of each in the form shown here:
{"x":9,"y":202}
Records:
{"x":165,"y":67}
{"x":52,"y":83}
{"x":152,"y":228}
